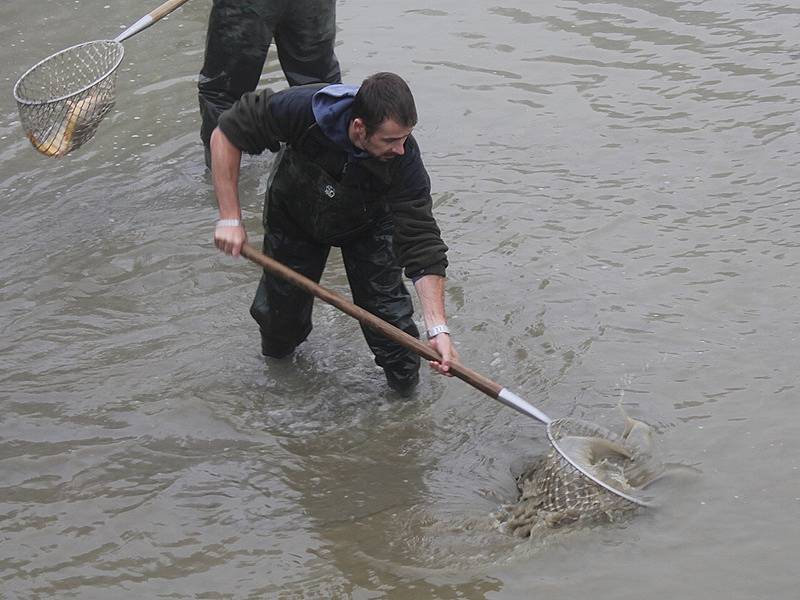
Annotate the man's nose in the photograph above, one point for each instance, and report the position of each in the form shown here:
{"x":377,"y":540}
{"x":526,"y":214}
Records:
{"x":399,"y":148}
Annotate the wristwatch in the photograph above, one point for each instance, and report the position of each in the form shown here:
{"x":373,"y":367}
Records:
{"x":436,"y":330}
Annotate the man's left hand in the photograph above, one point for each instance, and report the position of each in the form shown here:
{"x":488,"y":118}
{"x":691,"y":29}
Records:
{"x":444,"y":346}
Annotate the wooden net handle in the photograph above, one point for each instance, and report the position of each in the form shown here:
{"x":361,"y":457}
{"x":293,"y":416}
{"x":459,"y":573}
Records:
{"x":150,"y":18}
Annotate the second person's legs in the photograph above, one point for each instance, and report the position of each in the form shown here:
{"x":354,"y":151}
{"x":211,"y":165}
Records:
{"x":238,"y":37}
{"x":305,"y":38}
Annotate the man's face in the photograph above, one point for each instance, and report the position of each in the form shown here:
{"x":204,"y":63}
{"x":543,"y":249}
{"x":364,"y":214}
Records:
{"x":385,"y":143}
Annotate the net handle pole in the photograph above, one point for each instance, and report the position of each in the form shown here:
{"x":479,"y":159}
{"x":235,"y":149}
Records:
{"x":150,"y":18}
{"x":476,"y":380}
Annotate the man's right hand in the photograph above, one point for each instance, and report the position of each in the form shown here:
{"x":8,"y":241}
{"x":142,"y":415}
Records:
{"x":230,"y":239}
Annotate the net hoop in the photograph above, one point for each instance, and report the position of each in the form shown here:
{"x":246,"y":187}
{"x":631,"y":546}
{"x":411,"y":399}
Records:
{"x":558,"y":428}
{"x":19,"y":86}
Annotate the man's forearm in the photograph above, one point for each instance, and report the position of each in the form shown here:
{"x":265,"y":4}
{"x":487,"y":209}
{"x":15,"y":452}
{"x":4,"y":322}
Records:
{"x":430,"y":289}
{"x":225,"y":161}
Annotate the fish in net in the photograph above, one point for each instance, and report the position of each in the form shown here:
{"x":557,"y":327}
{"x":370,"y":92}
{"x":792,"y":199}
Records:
{"x":590,"y":474}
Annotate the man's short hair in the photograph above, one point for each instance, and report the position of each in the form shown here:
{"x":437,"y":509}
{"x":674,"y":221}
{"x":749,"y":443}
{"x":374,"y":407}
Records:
{"x":384,"y":96}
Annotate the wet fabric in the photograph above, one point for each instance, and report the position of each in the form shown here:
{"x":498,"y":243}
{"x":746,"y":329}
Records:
{"x":306,"y":212}
{"x":324,"y":208}
{"x":239,"y":35}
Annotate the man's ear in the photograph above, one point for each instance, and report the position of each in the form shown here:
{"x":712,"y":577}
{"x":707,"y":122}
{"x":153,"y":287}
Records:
{"x":359,"y":131}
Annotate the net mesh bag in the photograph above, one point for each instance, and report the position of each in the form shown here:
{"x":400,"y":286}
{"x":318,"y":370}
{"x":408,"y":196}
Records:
{"x":62,"y":99}
{"x":558,"y":488}
{"x":568,"y":486}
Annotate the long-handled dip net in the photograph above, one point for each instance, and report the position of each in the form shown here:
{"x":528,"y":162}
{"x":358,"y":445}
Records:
{"x":63,"y":98}
{"x":589,"y":470}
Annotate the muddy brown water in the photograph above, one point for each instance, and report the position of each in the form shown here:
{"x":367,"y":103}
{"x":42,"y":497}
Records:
{"x":618,"y":183}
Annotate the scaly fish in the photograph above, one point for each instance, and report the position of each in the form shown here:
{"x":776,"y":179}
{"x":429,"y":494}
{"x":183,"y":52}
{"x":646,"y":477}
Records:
{"x":77,"y":117}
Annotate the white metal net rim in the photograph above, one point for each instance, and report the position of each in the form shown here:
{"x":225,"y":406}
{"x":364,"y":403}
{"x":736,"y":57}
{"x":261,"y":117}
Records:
{"x":72,"y":49}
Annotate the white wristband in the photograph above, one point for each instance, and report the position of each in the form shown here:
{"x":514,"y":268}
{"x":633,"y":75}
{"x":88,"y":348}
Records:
{"x":436,"y":330}
{"x":229,"y":223}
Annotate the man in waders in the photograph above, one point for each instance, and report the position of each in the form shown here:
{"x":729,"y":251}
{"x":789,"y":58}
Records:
{"x":348,"y":174}
{"x":239,"y":35}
